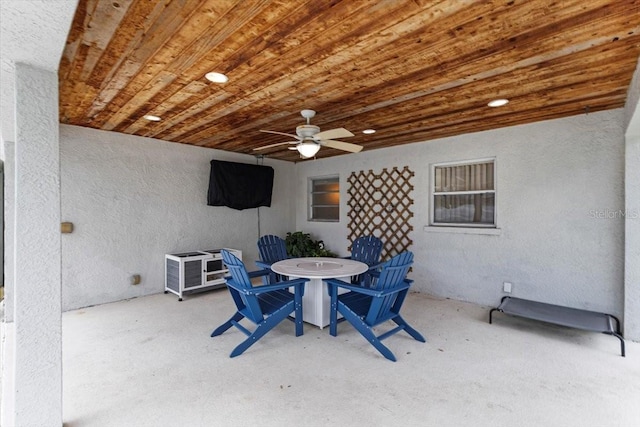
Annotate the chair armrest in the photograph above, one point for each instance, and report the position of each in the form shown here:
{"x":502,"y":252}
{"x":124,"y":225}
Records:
{"x":366,"y":291}
{"x":256,"y":290}
{"x":263,"y":264}
{"x":355,"y":288}
{"x":374,"y":267}
{"x":339,"y":283}
{"x":373,"y":272}
{"x":390,"y":291}
{"x":258,"y":273}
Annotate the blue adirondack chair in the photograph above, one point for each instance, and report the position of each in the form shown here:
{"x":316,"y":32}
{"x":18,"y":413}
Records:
{"x":366,"y":308}
{"x":265,"y":306}
{"x":366,"y":249}
{"x":272,"y":249}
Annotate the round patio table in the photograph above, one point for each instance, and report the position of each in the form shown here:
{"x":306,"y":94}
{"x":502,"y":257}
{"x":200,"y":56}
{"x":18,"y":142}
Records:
{"x":316,"y":301}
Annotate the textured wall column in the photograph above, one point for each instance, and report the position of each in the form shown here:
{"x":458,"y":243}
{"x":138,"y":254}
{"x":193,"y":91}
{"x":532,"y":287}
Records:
{"x":9,"y":150}
{"x":632,"y":239}
{"x":37,"y":290}
{"x":7,"y":327}
{"x":632,"y":210}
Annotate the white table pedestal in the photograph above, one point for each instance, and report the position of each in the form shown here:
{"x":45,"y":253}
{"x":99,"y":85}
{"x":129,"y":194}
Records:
{"x":316,"y":301}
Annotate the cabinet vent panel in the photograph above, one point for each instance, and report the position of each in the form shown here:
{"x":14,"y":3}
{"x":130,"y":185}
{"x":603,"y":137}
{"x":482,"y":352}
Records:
{"x":173,"y":275}
{"x":192,"y":274}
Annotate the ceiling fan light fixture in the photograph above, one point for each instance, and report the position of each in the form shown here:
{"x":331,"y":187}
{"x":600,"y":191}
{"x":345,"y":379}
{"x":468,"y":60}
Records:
{"x":369,"y":131}
{"x":216,"y":77}
{"x":309,"y":139}
{"x":498,"y":102}
{"x":308,"y":149}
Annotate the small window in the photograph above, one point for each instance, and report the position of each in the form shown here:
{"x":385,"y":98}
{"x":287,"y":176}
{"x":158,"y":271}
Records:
{"x":324,"y":199}
{"x":464,"y":194}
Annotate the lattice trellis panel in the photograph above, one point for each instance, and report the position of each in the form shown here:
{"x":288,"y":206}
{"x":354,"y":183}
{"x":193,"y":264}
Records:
{"x":380,"y":205}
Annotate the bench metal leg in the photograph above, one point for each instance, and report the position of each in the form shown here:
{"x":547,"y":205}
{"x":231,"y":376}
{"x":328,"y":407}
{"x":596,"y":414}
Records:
{"x":621,"y":341}
{"x":491,"y":314}
{"x":616,"y":332}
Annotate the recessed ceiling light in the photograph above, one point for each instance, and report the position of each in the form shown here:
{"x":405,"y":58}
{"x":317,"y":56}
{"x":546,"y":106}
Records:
{"x":216,"y":77}
{"x":498,"y":102}
{"x":152,"y":118}
{"x":369,"y":131}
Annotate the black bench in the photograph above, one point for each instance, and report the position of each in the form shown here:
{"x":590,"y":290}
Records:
{"x":563,"y":316}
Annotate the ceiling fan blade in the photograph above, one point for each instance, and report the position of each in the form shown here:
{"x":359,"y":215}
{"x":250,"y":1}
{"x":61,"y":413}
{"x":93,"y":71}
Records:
{"x":281,"y":133}
{"x":275,"y":145}
{"x":332,"y":133}
{"x":339,"y":145}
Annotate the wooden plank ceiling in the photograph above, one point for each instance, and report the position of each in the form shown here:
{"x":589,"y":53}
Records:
{"x":412,"y":70}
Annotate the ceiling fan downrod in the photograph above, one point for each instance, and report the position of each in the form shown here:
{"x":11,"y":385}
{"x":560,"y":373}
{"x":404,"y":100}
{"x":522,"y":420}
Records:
{"x":308,"y":114}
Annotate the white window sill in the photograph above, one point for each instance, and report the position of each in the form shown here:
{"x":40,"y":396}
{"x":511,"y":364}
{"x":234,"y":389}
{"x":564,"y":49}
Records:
{"x":462,"y":230}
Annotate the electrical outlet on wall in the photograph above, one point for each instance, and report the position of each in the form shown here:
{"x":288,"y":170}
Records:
{"x":506,"y":286}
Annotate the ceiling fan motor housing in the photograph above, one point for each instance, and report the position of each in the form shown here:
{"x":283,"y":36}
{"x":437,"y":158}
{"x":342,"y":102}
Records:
{"x":307,"y":131}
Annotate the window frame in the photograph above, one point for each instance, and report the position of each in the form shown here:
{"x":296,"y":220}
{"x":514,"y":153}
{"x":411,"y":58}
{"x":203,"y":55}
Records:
{"x":310,"y":194}
{"x":433,"y":194}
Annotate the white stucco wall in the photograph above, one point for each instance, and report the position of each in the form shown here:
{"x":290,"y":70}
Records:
{"x":632,"y":106}
{"x":632,"y":239}
{"x":9,"y":157}
{"x":36,"y":289}
{"x":632,"y":204}
{"x":553,"y":179}
{"x":133,"y":199}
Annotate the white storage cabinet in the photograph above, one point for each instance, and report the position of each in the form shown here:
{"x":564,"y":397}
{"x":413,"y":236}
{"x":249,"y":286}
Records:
{"x":196,"y":270}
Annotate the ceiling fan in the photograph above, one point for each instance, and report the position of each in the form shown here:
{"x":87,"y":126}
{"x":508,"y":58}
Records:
{"x":309,"y":139}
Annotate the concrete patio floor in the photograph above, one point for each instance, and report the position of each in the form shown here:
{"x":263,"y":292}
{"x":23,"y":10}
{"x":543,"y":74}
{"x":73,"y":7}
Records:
{"x":150,"y":362}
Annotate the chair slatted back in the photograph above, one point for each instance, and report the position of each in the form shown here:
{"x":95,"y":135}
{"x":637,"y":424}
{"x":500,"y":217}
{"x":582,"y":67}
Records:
{"x":272,"y":248}
{"x":366,"y":249}
{"x":393,"y":273}
{"x":247,"y":304}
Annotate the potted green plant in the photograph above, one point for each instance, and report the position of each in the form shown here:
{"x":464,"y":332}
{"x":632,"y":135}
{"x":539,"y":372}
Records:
{"x":301,"y":244}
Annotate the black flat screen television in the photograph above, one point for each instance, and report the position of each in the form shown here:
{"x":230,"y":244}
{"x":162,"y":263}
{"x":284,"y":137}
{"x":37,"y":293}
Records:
{"x":239,"y":185}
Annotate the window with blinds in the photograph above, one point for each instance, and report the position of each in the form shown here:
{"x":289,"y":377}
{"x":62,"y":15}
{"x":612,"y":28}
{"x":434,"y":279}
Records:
{"x":324,"y":199}
{"x":464,"y":194}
